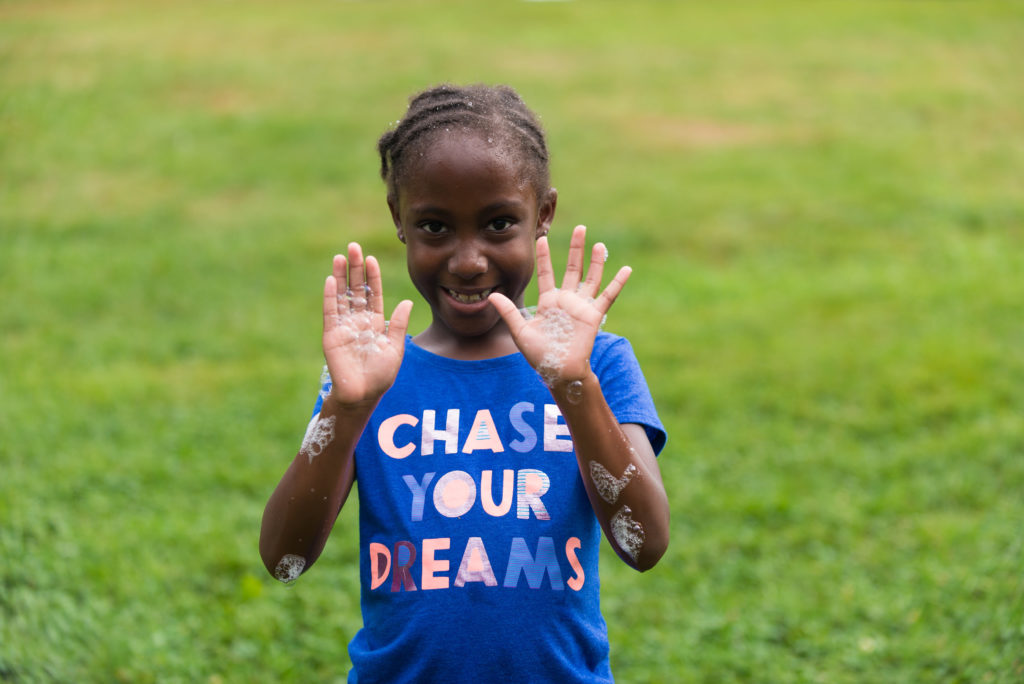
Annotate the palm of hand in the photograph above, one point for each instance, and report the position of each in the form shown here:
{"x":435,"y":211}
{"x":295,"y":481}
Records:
{"x":360,"y":357}
{"x":558,"y":340}
{"x":363,"y":352}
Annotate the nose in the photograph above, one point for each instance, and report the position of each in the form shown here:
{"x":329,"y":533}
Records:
{"x":468,"y":260}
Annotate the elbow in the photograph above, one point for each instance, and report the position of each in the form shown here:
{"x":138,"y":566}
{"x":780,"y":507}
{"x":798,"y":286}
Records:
{"x":277,"y":558}
{"x":653,"y":534}
{"x":270,"y":556}
{"x":649,"y":555}
{"x":647,"y":548}
{"x":269,"y":542}
{"x":285,"y":567}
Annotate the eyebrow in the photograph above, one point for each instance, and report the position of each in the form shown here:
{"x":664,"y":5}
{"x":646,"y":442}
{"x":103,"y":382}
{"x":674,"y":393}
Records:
{"x":502,"y":205}
{"x":493,"y":207}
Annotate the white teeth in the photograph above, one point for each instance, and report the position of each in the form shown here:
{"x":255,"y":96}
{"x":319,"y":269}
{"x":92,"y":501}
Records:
{"x":470,"y":298}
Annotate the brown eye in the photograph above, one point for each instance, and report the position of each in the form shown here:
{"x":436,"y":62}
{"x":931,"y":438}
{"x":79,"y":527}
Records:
{"x":432,"y":227}
{"x":501,"y":225}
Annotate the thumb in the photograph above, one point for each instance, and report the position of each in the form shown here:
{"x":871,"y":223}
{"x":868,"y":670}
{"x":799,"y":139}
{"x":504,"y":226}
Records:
{"x":399,"y":323}
{"x":508,"y":311}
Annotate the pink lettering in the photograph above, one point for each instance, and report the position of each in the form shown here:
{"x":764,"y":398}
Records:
{"x":386,"y":435}
{"x":487,"y":495}
{"x":575,"y":583}
{"x":433,"y":565}
{"x":483,"y":434}
{"x":454,"y":494}
{"x":380,"y":564}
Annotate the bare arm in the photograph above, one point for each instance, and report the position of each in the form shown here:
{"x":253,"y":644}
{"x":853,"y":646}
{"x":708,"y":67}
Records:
{"x":616,"y":461}
{"x":363,"y":355}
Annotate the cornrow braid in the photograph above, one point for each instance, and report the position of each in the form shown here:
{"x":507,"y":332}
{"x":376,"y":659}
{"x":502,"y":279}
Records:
{"x":497,"y":112}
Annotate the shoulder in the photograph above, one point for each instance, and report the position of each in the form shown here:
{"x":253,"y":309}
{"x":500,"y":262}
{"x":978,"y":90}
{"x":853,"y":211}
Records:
{"x":615,"y":364}
{"x":608,"y":341}
{"x":610,"y":348}
{"x":625,"y":387}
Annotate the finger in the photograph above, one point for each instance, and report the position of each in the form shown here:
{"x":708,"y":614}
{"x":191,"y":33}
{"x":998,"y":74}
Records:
{"x":374,"y":291}
{"x":508,"y":312}
{"x":574,"y":266}
{"x":331,"y":301}
{"x":598,"y":257}
{"x":356,"y":277}
{"x":545,"y":274}
{"x":339,"y":268}
{"x":399,"y":324}
{"x":607,"y":298}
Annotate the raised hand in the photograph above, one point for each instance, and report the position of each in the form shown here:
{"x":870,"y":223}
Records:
{"x":362,"y":350}
{"x":558,"y":339}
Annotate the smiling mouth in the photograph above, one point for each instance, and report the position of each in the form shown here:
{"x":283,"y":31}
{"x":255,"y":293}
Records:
{"x":469,"y":298}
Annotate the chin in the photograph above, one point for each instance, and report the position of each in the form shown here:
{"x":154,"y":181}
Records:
{"x":469,"y":329}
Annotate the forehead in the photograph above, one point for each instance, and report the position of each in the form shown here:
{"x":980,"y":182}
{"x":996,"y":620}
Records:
{"x":462,"y":165}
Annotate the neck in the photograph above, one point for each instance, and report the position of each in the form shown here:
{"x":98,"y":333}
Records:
{"x":492,"y":344}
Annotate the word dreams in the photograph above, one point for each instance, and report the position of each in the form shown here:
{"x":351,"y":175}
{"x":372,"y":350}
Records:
{"x":475,"y":566}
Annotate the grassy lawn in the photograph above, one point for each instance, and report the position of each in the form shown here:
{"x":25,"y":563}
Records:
{"x":823,"y":206}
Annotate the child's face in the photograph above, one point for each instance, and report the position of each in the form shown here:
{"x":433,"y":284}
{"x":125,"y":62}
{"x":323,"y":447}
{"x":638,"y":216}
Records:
{"x":470,"y":220}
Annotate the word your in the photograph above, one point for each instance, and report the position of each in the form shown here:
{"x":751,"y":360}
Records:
{"x":455,"y":493}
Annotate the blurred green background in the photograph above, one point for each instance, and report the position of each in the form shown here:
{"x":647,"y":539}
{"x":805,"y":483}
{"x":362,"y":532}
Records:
{"x":823,"y":206}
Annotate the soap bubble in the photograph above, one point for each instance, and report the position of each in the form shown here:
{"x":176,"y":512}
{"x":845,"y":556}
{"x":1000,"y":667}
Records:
{"x":289,"y":568}
{"x":357,"y":323}
{"x":607,"y":485}
{"x":557,"y":326}
{"x":318,"y":435}
{"x":628,"y":533}
{"x":325,"y":383}
{"x":352,"y":299}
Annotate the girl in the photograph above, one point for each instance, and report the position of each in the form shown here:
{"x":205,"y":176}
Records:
{"x":491,"y":448}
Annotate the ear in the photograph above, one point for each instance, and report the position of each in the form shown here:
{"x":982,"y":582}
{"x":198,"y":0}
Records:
{"x":393,"y":208}
{"x":546,"y":212}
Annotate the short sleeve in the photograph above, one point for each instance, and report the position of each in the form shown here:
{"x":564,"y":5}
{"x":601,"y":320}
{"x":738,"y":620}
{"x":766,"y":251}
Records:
{"x":625,"y":388}
{"x":325,"y":390}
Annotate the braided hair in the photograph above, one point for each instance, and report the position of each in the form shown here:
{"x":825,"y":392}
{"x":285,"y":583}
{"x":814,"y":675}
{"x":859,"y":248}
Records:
{"x":498,"y":113}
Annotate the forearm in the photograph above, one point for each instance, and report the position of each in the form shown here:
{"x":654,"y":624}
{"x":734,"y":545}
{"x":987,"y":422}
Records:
{"x":301,"y":512}
{"x":620,"y":473}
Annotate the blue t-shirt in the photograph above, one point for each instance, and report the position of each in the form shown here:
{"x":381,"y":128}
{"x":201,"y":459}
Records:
{"x":478,"y":545}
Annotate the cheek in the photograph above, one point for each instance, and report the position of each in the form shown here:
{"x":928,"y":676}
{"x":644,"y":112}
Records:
{"x":527,"y":259}
{"x":421,"y":262}
{"x":518,"y":263}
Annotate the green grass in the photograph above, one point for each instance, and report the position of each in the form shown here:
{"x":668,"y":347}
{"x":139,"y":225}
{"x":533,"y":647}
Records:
{"x":822,"y":204}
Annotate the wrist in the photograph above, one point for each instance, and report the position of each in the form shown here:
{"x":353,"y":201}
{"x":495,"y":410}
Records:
{"x":334,"y":406}
{"x":574,"y":389}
